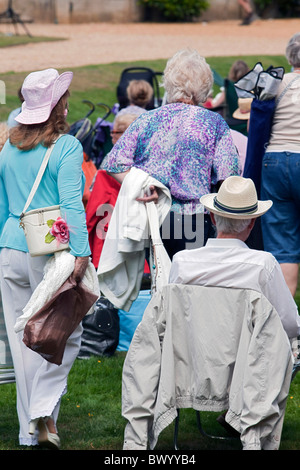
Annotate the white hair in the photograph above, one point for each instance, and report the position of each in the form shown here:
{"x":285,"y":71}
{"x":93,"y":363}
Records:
{"x":187,"y":76}
{"x":123,"y":121}
{"x":227,"y":225}
{"x":292,"y":51}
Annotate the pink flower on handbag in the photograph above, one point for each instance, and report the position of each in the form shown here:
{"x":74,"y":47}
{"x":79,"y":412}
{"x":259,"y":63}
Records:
{"x":59,"y":230}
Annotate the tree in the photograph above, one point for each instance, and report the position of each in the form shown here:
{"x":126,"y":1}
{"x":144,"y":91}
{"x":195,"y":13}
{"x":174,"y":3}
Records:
{"x":177,"y":10}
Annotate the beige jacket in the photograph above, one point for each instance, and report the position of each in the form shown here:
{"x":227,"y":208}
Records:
{"x":212,"y":349}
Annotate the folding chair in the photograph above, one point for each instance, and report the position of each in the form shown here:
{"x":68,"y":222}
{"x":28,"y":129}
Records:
{"x":201,"y":430}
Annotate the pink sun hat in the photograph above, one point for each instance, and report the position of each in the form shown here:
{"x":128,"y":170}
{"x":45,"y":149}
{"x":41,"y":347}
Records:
{"x":41,"y":92}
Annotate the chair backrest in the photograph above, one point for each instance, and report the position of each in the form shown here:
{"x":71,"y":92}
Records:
{"x":218,"y":348}
{"x":218,"y":80}
{"x":231,"y":100}
{"x":230,"y":97}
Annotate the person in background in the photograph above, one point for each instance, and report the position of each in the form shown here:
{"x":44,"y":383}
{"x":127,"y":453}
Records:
{"x":247,"y":6}
{"x":121,"y":123}
{"x":238,"y":69}
{"x":226,"y":261}
{"x":11,"y":120}
{"x":42,"y":120}
{"x":184,"y":146}
{"x":139,"y":93}
{"x":240,"y":140}
{"x":4,"y":133}
{"x":104,"y":193}
{"x":281,"y":173}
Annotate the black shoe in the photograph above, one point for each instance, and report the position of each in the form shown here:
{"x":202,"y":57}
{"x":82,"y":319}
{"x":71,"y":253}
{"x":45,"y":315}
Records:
{"x":225,"y":425}
{"x":249,"y":19}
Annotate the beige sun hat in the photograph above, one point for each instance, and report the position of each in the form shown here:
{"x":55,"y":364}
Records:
{"x":236,"y":199}
{"x":244,"y":108}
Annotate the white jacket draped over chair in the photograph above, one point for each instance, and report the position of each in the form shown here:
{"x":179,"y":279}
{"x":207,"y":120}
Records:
{"x":212,"y":349}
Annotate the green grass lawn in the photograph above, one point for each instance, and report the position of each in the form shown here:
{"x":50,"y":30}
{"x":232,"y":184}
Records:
{"x":92,"y":410}
{"x":90,"y":417}
{"x":98,"y":83}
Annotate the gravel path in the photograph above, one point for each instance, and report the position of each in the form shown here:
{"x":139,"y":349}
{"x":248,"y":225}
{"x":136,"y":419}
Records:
{"x":104,"y":43}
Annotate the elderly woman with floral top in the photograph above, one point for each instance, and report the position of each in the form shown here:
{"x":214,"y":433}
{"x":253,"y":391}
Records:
{"x":183,"y":145}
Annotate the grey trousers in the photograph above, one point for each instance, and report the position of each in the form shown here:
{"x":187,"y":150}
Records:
{"x":40,"y":384}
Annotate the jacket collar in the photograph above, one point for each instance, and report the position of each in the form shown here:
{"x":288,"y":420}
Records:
{"x":225,"y":242}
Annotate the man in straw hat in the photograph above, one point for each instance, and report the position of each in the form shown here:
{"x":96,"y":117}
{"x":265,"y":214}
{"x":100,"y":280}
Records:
{"x":226,"y":261}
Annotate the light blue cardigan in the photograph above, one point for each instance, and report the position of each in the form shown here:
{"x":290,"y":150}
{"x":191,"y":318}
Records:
{"x":62,"y":183}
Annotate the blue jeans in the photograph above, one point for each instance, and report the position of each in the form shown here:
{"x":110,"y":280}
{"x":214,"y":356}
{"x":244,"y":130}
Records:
{"x":280,"y":182}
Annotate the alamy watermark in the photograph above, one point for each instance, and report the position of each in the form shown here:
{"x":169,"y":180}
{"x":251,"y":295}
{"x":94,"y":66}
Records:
{"x":175,"y":226}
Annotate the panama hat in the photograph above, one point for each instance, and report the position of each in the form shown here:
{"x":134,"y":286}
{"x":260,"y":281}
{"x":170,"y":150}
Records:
{"x":41,"y":92}
{"x":244,"y":108}
{"x":236,"y":199}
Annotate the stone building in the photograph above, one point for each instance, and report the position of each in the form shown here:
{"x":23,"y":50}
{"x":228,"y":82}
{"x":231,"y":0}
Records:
{"x":117,"y":11}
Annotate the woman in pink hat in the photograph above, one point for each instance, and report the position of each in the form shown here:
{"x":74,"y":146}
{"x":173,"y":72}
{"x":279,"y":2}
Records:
{"x":40,"y":384}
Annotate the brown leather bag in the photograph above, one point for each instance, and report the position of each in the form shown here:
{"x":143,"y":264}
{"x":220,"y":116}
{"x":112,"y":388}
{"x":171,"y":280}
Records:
{"x":48,"y":330}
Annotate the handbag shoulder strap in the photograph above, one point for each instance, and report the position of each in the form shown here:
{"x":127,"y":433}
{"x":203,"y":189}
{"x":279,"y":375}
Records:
{"x":286,"y":89}
{"x":38,"y":177}
{"x":154,"y":224}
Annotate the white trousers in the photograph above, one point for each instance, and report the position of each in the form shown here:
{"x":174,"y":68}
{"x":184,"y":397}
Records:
{"x":40,"y":384}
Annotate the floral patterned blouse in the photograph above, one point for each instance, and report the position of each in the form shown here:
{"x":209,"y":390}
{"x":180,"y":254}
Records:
{"x":187,"y":148}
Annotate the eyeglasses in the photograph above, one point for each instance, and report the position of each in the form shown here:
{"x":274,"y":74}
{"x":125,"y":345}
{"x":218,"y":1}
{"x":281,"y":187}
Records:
{"x":116,"y":132}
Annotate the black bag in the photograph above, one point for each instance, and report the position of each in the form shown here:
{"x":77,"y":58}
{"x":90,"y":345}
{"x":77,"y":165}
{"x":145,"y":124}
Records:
{"x":101,"y":330}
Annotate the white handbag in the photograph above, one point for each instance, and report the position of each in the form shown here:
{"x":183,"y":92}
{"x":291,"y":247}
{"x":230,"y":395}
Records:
{"x":45,"y":230}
